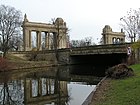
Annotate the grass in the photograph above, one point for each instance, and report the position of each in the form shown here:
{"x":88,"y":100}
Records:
{"x":123,"y":91}
{"x":19,"y":62}
{"x":14,"y":58}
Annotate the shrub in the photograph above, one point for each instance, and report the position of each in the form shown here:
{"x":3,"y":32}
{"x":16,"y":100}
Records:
{"x":4,"y":65}
{"x":119,"y":71}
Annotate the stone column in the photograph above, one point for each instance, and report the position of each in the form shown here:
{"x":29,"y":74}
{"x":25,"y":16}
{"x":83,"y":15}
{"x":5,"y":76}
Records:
{"x":55,"y":40}
{"x":27,"y":90}
{"x":47,"y":40}
{"x":26,"y":39}
{"x":30,"y":40}
{"x":109,"y":39}
{"x":105,"y":39}
{"x":38,"y":40}
{"x":49,"y":85}
{"x":60,"y":39}
{"x":64,"y":41}
{"x":46,"y":86}
{"x":39,"y":87}
{"x":64,"y":88}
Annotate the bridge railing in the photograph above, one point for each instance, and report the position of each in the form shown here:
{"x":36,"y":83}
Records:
{"x":124,"y":45}
{"x":100,"y":49}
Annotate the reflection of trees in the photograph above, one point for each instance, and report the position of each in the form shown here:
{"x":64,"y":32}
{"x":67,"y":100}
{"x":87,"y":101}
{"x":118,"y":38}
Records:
{"x":60,"y":90}
{"x":87,"y":41}
{"x":45,"y":89}
{"x":11,"y":93}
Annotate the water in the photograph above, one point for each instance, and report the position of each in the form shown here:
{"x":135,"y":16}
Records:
{"x":79,"y":92}
{"x":48,"y":86}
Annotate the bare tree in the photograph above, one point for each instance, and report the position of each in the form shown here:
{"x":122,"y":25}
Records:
{"x":11,"y":92}
{"x":10,"y":22}
{"x":16,"y":42}
{"x":57,"y":38}
{"x":87,"y":41}
{"x":131,"y":24}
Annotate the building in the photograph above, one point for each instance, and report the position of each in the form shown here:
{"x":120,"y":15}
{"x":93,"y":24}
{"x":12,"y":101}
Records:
{"x":55,"y":34}
{"x":110,"y":37}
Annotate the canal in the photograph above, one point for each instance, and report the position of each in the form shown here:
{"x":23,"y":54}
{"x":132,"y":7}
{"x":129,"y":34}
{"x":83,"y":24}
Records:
{"x":48,"y":86}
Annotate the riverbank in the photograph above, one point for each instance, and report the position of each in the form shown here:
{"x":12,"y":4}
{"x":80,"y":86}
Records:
{"x":19,"y":63}
{"x":110,"y":92}
{"x":120,"y":91}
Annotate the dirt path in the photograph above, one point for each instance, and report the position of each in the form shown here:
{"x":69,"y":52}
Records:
{"x":99,"y":94}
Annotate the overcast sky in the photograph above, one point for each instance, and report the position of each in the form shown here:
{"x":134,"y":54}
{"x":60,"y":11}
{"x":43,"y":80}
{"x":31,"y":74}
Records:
{"x":84,"y":18}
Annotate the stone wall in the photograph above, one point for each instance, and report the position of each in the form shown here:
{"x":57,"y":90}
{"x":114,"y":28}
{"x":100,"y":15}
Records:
{"x":38,"y":56}
{"x":64,"y":56}
{"x":48,"y":56}
{"x":137,"y":55}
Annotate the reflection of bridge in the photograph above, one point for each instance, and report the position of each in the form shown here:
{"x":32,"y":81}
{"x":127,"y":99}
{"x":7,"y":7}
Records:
{"x":44,"y":91}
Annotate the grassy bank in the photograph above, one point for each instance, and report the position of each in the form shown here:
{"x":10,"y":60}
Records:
{"x":16,"y":62}
{"x":122,"y":91}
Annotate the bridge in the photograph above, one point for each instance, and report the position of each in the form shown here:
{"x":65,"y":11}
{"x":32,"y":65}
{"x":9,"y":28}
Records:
{"x":99,"y":49}
{"x":92,"y":54}
{"x":97,"y":55}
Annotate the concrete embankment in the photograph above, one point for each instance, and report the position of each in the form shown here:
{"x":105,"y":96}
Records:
{"x":92,"y":94}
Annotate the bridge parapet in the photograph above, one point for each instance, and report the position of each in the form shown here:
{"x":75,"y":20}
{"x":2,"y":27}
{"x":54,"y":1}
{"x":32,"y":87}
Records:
{"x":65,"y":53}
{"x":100,"y":49}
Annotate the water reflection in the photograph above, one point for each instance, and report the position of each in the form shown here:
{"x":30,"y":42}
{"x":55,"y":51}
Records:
{"x":45,"y":91}
{"x":11,"y":93}
{"x":49,"y":86}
